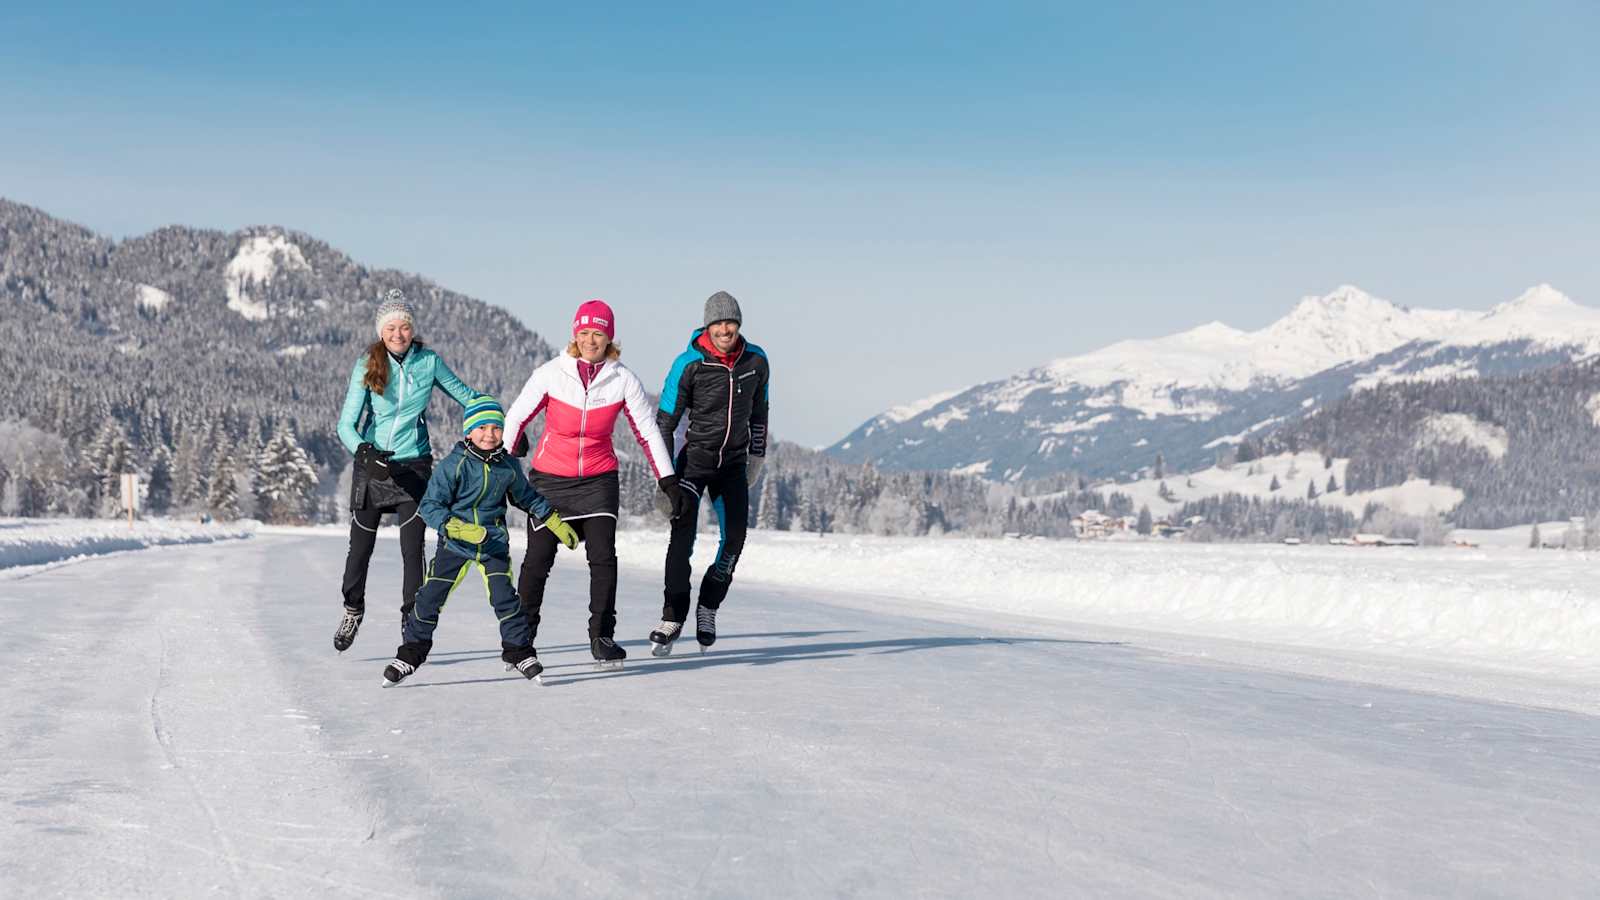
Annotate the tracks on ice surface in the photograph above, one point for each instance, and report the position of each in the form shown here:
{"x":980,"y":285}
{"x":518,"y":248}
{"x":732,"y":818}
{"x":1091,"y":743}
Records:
{"x":169,"y":751}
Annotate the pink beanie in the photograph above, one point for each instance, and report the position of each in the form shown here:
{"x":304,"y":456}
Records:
{"x":597,"y":315}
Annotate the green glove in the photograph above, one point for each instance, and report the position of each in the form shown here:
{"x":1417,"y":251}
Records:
{"x":562,"y":531}
{"x":465,"y":531}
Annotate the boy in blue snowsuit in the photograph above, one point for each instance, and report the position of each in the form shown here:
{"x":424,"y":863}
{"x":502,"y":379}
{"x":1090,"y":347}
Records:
{"x":466,"y":503}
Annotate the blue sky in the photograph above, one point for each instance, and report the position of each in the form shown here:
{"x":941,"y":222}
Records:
{"x":906,"y":197}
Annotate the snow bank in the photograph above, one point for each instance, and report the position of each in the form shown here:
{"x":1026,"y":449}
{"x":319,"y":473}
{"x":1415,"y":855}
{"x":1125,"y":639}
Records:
{"x":1524,"y":611}
{"x":36,"y":542}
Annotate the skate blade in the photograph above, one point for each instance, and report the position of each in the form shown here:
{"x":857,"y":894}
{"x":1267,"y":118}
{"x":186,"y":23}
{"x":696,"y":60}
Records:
{"x":661,"y":649}
{"x":386,"y":683}
{"x":601,"y":665}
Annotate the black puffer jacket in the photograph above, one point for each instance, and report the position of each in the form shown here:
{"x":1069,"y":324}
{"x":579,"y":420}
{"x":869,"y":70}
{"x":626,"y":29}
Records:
{"x":727,"y":407}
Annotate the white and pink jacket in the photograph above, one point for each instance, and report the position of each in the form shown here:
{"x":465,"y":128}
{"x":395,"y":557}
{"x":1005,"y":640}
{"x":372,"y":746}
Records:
{"x":579,"y":415}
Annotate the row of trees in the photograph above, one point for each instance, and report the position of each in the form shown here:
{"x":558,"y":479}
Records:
{"x":209,"y":475}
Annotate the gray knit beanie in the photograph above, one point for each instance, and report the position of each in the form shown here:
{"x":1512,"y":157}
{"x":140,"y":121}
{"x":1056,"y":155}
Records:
{"x":394,"y":307}
{"x":720,"y":307}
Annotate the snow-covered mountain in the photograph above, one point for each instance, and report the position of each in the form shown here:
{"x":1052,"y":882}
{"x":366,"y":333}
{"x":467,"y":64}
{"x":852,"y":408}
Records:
{"x":1110,"y":412}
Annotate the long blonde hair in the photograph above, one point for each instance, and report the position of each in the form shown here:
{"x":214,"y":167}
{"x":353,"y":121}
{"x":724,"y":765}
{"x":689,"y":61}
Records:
{"x":613,"y":350}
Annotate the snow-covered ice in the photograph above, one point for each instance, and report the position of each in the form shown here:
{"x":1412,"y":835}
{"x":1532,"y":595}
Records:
{"x":178,"y":724}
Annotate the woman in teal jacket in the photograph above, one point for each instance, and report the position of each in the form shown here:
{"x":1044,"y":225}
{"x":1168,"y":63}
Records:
{"x":383,"y":423}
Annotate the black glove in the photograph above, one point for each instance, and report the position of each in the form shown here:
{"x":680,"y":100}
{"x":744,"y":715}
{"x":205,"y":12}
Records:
{"x":519,"y":445}
{"x":374,"y":461}
{"x":676,"y":495}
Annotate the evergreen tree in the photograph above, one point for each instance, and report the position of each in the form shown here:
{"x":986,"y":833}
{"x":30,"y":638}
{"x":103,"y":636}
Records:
{"x":1333,"y":485}
{"x":1533,"y":539}
{"x":767,"y":499}
{"x":223,"y":500}
{"x":1311,"y":489}
{"x":1146,"y":522}
{"x":1274,"y":485}
{"x":286,"y":481}
{"x":158,"y":498}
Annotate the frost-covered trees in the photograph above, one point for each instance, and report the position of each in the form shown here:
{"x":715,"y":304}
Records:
{"x":285,"y":480}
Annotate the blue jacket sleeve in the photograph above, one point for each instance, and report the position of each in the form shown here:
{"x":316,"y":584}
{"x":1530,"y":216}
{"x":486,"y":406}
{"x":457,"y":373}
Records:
{"x":676,"y":396}
{"x":356,"y":398}
{"x":446,"y":380}
{"x":441,"y":494}
{"x":527,"y":497}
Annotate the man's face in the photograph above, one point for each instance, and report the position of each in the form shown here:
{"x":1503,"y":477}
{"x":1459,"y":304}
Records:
{"x":724,"y":335}
{"x":486,"y":437}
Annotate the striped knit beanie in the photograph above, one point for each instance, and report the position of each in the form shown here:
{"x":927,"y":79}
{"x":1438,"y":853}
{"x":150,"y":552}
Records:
{"x":483,"y":410}
{"x":395,"y":308}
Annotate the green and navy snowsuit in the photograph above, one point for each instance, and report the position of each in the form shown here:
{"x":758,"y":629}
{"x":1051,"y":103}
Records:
{"x":473,"y":486}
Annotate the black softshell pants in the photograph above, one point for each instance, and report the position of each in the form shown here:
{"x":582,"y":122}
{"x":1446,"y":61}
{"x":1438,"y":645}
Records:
{"x":401,"y":499}
{"x":599,"y":536}
{"x":730,"y":498}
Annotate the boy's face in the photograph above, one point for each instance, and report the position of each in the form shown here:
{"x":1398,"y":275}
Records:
{"x":486,"y":437}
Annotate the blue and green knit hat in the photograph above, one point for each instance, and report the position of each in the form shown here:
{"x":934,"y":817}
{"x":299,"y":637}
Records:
{"x":483,"y":410}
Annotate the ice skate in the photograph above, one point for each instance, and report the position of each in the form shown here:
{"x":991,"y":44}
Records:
{"x":705,"y":626}
{"x":345,"y":634}
{"x":530,"y":667}
{"x":607,"y":655}
{"x":397,"y":671}
{"x":662,"y":637}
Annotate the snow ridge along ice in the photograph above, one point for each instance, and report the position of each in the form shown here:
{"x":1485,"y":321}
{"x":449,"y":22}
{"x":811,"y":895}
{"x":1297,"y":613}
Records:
{"x":37,"y":542}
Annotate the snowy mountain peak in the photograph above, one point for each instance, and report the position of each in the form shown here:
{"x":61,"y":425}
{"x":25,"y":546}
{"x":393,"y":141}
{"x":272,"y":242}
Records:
{"x":1538,"y":297}
{"x":258,"y":259}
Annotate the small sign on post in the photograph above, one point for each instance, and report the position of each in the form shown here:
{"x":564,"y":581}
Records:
{"x":130,"y":494}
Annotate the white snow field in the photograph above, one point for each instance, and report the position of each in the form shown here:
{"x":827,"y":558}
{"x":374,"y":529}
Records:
{"x":178,"y":724}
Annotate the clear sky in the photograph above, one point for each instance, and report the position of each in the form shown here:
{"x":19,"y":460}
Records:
{"x":906,"y":197}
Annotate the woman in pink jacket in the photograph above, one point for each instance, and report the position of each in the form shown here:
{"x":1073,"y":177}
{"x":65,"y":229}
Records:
{"x":581,"y":392}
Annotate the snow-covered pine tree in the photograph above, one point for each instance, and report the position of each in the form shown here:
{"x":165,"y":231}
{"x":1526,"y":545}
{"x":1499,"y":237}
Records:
{"x":1311,"y":489}
{"x":223,"y":499}
{"x":285,"y":479}
{"x":1333,"y":485}
{"x":767,"y":498}
{"x":1146,"y":522}
{"x":1274,"y":485}
{"x":158,"y":496}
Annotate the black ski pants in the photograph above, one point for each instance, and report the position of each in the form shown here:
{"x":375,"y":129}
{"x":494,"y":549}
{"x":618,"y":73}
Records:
{"x":364,"y":536}
{"x":599,"y":536}
{"x":730,"y":498}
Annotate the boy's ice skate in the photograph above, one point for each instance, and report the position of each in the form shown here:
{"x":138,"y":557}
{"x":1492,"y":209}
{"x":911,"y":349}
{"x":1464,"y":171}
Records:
{"x":397,"y":671}
{"x":529,"y":666}
{"x":345,"y":634}
{"x":662,"y":637}
{"x":607,"y":655}
{"x":705,"y":626}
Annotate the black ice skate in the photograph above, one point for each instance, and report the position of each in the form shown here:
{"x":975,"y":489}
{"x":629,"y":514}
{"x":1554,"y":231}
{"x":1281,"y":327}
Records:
{"x":705,"y":626}
{"x":661,"y":639}
{"x":345,"y":634}
{"x":607,"y":655}
{"x":529,"y":666}
{"x":396,"y":672}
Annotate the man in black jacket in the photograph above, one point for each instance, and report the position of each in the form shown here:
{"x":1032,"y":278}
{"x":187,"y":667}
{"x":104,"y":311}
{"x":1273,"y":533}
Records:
{"x":720,"y":384}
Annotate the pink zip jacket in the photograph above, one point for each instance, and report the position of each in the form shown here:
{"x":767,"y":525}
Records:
{"x":579,"y":418}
